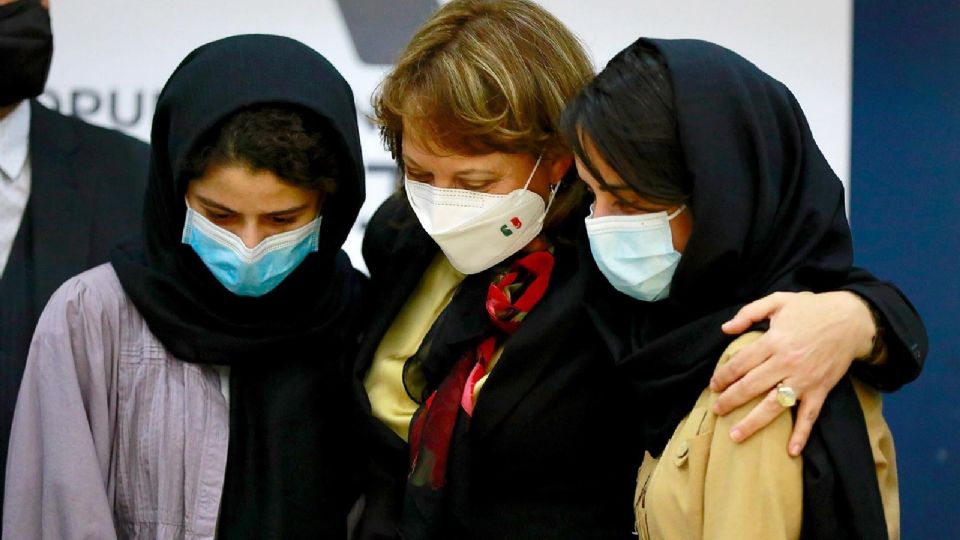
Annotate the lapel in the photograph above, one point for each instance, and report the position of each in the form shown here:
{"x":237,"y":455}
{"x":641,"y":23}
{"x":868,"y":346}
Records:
{"x":61,"y":209}
{"x":540,"y":340}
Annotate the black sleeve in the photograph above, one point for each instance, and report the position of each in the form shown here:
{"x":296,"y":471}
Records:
{"x":903,"y":332}
{"x":383,"y":232}
{"x":386,"y":481}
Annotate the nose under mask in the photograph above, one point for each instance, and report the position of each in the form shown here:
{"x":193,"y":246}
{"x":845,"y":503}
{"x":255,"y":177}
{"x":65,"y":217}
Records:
{"x":635,"y":253}
{"x":249,"y":271}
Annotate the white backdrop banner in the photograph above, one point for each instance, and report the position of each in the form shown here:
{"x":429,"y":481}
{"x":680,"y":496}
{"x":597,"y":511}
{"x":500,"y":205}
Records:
{"x":112,"y":56}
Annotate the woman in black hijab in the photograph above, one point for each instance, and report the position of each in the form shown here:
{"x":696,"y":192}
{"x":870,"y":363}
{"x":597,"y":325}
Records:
{"x":197,"y":384}
{"x":710,"y":192}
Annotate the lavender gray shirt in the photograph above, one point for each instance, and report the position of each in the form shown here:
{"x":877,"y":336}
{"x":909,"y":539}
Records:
{"x":112,"y":437}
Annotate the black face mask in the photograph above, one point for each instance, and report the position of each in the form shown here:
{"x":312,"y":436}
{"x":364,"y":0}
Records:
{"x":26,"y":48}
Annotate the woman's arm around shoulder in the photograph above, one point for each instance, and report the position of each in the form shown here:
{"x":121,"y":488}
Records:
{"x":813,"y":341}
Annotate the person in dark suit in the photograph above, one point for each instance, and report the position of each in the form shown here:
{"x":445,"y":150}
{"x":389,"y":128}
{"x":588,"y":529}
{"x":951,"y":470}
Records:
{"x":69,"y":191}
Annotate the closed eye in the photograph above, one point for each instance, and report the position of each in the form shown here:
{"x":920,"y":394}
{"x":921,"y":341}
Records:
{"x":282,"y":220}
{"x":477,"y":185}
{"x":219,"y":216}
{"x":419,"y":176}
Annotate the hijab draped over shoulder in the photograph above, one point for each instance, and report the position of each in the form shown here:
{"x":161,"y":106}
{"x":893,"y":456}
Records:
{"x":768,"y":215}
{"x":286,"y":349}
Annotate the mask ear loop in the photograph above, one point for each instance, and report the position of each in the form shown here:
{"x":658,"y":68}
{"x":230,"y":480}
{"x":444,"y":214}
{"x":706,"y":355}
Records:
{"x":534,"y":171}
{"x":676,"y":212}
{"x":554,"y":188}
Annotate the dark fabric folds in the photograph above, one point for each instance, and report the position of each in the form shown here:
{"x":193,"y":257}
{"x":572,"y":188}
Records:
{"x":291,"y":452}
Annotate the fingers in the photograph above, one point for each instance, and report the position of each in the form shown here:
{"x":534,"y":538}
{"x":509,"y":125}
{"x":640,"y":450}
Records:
{"x":740,"y":364}
{"x":765,"y":412}
{"x":755,"y":312}
{"x":755,"y":384}
{"x":806,"y":415}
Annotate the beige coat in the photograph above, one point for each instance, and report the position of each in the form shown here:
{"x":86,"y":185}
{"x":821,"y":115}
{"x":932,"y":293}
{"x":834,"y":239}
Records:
{"x":705,"y":486}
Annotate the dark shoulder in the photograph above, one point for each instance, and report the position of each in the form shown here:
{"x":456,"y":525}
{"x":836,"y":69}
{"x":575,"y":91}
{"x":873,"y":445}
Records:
{"x":104,"y":142}
{"x":394,"y":232}
{"x":113,"y":165}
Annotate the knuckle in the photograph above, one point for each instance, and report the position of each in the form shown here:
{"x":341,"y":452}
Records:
{"x":731,"y":370}
{"x":794,"y":360}
{"x":733,"y":397}
{"x":737,"y":369}
{"x":753,"y":387}
{"x":775,"y":340}
{"x":725,"y":369}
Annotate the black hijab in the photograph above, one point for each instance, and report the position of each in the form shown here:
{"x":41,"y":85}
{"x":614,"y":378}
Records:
{"x":768,"y":216}
{"x":287,"y":348}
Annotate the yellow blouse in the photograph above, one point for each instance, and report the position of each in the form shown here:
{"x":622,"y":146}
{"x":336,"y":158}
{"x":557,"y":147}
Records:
{"x":705,"y":486}
{"x":384,"y":382}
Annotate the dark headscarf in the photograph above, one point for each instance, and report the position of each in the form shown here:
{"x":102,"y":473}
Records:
{"x":286,"y":349}
{"x":768,"y":215}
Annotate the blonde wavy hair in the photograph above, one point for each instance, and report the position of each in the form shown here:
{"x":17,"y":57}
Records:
{"x":485,"y":76}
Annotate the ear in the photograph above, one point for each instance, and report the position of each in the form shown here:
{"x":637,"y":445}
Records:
{"x":559,"y":165}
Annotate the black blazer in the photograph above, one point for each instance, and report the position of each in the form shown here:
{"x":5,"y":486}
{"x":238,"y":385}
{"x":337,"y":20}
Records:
{"x":86,"y":193}
{"x":552,"y":450}
{"x":550,"y":454}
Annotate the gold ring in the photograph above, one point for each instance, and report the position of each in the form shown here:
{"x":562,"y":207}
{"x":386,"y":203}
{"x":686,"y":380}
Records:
{"x":786,"y":396}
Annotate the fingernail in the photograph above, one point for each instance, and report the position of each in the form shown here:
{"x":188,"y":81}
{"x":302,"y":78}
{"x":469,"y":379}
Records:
{"x":795,"y":449}
{"x":713,"y":385}
{"x":736,"y":435}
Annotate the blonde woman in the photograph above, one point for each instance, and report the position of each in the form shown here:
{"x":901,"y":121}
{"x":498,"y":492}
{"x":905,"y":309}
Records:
{"x":495,"y":410}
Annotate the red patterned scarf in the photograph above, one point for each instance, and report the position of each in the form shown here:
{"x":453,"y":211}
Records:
{"x":511,"y":296}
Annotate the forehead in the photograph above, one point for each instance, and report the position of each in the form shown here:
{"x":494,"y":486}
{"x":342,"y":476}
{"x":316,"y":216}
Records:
{"x":595,"y":166}
{"x":238,"y":184}
{"x":427,"y":154}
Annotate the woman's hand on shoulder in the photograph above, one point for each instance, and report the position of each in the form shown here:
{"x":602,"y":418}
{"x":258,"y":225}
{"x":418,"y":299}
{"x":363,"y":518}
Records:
{"x":812,"y":341}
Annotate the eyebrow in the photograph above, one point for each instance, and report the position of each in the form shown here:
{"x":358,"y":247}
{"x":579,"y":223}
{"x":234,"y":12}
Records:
{"x":218,"y":206}
{"x":619,"y":190}
{"x":465,"y":172}
{"x":294,"y":210}
{"x":215,"y":205}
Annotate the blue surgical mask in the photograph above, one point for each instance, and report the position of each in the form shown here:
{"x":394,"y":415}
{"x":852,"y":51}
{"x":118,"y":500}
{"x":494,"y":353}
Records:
{"x":249,"y":271}
{"x":635,"y":252}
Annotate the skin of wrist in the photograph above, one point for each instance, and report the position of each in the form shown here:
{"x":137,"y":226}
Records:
{"x":863,"y":312}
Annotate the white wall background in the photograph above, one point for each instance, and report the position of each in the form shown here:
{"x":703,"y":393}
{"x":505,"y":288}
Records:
{"x":121,"y":52}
